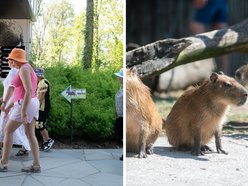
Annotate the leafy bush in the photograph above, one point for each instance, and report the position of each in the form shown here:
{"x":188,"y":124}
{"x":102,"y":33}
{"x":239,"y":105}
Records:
{"x":93,"y":117}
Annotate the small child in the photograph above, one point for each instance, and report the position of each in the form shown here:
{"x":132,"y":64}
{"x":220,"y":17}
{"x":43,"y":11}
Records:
{"x":119,"y":108}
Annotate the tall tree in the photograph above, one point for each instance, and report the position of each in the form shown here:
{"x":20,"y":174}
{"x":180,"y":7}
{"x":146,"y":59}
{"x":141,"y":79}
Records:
{"x":89,"y":30}
{"x":38,"y":35}
{"x":60,"y":30}
{"x":52,"y":33}
{"x":98,"y":6}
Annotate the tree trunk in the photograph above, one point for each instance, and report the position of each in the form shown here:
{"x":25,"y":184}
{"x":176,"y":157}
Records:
{"x":98,"y":8}
{"x":163,"y":55}
{"x":89,"y":27}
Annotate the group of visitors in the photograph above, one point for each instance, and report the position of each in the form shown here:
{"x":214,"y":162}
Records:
{"x":25,"y":106}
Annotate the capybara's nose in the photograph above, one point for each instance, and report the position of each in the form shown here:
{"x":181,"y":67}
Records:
{"x":245,"y":94}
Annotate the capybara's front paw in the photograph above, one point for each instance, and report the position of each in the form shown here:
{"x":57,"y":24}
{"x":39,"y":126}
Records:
{"x":219,"y":150}
{"x":206,"y":148}
{"x":197,"y":153}
{"x":142,"y":154}
{"x":149,"y":150}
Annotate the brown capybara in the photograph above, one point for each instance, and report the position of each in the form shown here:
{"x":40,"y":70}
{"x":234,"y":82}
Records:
{"x":143,"y":121}
{"x":199,"y":113}
{"x":241,"y":75}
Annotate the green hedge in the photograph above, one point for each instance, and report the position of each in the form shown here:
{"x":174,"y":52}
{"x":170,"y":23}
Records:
{"x":92,"y":117}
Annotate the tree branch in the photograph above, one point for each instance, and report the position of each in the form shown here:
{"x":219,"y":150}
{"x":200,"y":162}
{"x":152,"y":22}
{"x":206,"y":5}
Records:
{"x":163,"y":55}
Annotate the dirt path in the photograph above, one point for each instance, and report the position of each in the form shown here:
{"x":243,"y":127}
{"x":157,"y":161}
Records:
{"x":168,"y":167}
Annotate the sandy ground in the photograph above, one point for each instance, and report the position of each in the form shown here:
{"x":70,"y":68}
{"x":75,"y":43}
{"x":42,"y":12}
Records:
{"x":169,"y":167}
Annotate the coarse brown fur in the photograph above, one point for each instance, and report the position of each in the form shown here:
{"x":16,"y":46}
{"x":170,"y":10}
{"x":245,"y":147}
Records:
{"x":241,"y":75}
{"x":199,"y":113}
{"x":143,"y":121}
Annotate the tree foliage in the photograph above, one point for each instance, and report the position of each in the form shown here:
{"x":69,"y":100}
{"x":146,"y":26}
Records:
{"x":59,"y":35}
{"x":51,"y":33}
{"x":60,"y":30}
{"x":109,"y":40}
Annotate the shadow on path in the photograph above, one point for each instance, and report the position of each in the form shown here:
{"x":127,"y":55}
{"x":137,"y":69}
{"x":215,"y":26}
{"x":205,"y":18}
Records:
{"x":172,"y":153}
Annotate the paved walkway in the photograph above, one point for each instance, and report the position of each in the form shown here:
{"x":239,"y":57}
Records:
{"x":170,"y":167}
{"x":63,"y":167}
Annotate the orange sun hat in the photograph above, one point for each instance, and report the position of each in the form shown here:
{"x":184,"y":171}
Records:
{"x":18,"y":55}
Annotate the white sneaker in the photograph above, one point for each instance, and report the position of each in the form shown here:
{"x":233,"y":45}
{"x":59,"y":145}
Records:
{"x":48,"y":145}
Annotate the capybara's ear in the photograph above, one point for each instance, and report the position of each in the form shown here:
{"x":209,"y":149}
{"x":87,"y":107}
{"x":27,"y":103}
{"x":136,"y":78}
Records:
{"x":214,"y":77}
{"x":221,"y":73}
{"x":238,"y":74}
{"x":134,"y":70}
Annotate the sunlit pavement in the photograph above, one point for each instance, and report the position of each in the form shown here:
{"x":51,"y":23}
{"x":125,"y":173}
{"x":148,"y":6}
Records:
{"x":63,"y":167}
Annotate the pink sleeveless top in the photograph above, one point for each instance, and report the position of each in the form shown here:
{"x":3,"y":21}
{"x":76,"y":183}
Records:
{"x":19,"y":90}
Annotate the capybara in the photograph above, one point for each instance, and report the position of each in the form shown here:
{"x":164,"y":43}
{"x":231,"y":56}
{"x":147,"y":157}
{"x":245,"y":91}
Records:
{"x":143,"y":121}
{"x":241,"y":75}
{"x":199,"y":113}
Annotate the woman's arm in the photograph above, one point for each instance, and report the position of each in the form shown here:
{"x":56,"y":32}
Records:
{"x":42,"y":97}
{"x":8,"y":94}
{"x":25,"y":75}
{"x":7,"y":109}
{"x":7,"y":97}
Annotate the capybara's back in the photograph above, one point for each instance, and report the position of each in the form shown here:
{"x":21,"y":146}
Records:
{"x":199,"y":113}
{"x":143,"y":121}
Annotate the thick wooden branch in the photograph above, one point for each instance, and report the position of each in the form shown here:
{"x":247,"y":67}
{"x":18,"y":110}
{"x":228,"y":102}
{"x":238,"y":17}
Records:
{"x":163,"y":55}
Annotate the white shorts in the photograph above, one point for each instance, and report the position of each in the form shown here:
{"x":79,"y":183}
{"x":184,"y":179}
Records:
{"x":32,"y":110}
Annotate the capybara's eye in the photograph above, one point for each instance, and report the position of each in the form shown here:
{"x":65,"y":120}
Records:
{"x":227,"y":84}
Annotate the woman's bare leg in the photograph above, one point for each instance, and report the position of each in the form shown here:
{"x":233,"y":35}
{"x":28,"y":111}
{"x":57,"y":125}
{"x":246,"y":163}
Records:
{"x":10,"y":128}
{"x":30,"y":132}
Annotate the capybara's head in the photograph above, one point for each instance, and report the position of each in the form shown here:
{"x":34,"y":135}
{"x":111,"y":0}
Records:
{"x":134,"y":85}
{"x":133,"y":78}
{"x":227,"y":90}
{"x":241,"y":75}
{"x":131,"y":73}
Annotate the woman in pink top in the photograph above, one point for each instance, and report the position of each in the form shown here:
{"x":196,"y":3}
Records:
{"x":25,"y":110}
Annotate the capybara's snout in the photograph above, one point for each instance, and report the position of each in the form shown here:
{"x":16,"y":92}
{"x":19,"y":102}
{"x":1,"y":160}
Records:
{"x":245,"y":94}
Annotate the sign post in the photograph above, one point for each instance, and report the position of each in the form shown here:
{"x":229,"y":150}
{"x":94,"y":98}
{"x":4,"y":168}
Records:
{"x":71,"y":94}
